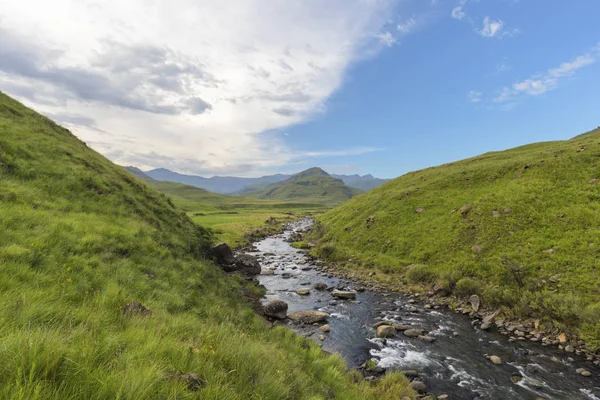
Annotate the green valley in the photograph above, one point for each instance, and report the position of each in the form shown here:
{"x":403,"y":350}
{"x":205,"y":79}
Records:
{"x":518,"y":227}
{"x":108,"y":292}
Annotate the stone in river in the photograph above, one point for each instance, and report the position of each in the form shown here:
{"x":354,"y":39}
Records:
{"x":344,"y":295}
{"x":308,"y":316}
{"x":385,"y":331}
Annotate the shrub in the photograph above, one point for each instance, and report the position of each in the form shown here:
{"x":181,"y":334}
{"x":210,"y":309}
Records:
{"x":421,"y":274}
{"x":467,"y":287}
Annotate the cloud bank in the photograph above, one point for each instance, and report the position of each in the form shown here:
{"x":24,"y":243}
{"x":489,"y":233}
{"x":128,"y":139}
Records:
{"x":194,"y":85}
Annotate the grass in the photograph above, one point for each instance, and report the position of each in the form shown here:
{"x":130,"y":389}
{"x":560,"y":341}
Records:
{"x":313,"y":185}
{"x":520,"y":227}
{"x":80,"y":238}
{"x":233,"y":219}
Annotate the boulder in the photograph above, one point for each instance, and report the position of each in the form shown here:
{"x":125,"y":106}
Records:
{"x":385,"y":331}
{"x":344,"y":295}
{"x":495,"y":360}
{"x":308,"y":316}
{"x":413,"y":332}
{"x":325,"y":328}
{"x":303,"y":292}
{"x":320,"y":286}
{"x":418,"y":387}
{"x":136,"y":308}
{"x":475,"y":302}
{"x":276,"y":309}
{"x":223,"y":254}
{"x":401,"y":327}
{"x":247,"y":264}
{"x":426,"y":338}
{"x":380,"y":323}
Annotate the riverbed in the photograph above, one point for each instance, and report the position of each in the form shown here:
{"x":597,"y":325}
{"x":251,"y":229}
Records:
{"x":454,"y":364}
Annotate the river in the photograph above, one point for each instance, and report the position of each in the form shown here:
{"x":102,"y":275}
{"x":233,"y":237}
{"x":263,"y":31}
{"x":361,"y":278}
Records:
{"x":454,"y":364}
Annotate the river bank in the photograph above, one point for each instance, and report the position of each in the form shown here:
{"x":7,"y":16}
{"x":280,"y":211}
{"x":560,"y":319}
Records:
{"x":449,"y":358}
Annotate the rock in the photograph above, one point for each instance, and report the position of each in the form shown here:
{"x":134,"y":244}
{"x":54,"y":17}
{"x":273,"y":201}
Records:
{"x":325,"y":328}
{"x":385,"y":331}
{"x":192,"y":380}
{"x":419,"y":210}
{"x":569,"y":349}
{"x":321,"y":337}
{"x":247,"y":264}
{"x":136,"y":308}
{"x":320,"y":286}
{"x":286,"y":275}
{"x":507,"y":210}
{"x":380,"y":323}
{"x":276,"y":309}
{"x":303,"y":292}
{"x":344,"y":295}
{"x":428,"y":339}
{"x":495,"y":214}
{"x":370,"y":221}
{"x":476,"y":249}
{"x":267,"y":272}
{"x":418,"y":386}
{"x":550,"y":251}
{"x":485,"y":326}
{"x":495,"y":360}
{"x":308,"y":316}
{"x":413,"y":332}
{"x":586,"y":373}
{"x":401,"y":327}
{"x":443,"y":397}
{"x":223,"y":254}
{"x":464,"y":210}
{"x":474,"y":300}
{"x":534,"y":383}
{"x":593,"y":180}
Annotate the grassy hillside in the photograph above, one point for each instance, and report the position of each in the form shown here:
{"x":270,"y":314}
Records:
{"x":80,"y":238}
{"x":521,"y":227}
{"x":314,"y":184}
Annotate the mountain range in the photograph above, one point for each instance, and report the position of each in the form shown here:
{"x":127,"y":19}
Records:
{"x":237,"y":185}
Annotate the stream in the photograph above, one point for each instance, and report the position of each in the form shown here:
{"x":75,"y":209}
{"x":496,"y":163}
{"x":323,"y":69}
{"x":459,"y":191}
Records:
{"x":454,"y":364}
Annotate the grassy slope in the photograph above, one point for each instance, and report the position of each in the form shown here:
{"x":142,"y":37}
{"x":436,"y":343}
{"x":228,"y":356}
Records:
{"x":81,"y":237}
{"x":231,"y":218}
{"x":553,"y":205}
{"x":313,"y":185}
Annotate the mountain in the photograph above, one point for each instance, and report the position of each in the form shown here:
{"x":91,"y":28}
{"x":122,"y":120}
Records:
{"x":216,"y":184}
{"x":362,"y":182}
{"x":81,"y":241}
{"x":314,"y":184}
{"x":236,"y":185}
{"x":519,"y":227}
{"x":139,"y":173}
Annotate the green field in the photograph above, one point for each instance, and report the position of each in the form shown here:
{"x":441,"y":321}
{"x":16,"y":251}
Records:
{"x":80,"y":238}
{"x":233,"y":219}
{"x":520,"y":227}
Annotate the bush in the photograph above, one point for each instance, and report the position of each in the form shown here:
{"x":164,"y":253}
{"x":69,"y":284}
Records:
{"x":421,"y":274}
{"x":467,"y":287}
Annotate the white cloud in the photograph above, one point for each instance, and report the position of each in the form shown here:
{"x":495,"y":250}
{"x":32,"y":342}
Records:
{"x":386,"y":38}
{"x":475,"y":96}
{"x":408,"y":26}
{"x":491,"y":28}
{"x":458,"y":12}
{"x":542,"y":83}
{"x":194,"y":85}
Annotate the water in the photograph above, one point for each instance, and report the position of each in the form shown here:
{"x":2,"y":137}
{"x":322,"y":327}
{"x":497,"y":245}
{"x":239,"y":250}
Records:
{"x":454,"y":365}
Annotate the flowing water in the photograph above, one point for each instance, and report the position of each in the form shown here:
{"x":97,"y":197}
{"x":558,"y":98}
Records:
{"x":454,"y":365}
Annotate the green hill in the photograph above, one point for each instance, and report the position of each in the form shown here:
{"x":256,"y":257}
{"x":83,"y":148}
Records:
{"x":314,"y":184}
{"x":81,"y":238}
{"x":520,"y":227}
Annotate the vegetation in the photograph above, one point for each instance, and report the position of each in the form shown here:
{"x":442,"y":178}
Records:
{"x":521,"y":227}
{"x":313,"y":185}
{"x":235,"y":220}
{"x":80,"y":239}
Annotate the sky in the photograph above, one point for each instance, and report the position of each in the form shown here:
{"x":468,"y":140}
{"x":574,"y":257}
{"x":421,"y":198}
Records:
{"x":255,"y":87}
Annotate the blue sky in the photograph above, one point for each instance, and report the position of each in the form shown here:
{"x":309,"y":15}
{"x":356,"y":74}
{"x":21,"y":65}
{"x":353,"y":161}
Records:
{"x":433,"y":96}
{"x":264,"y":86}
